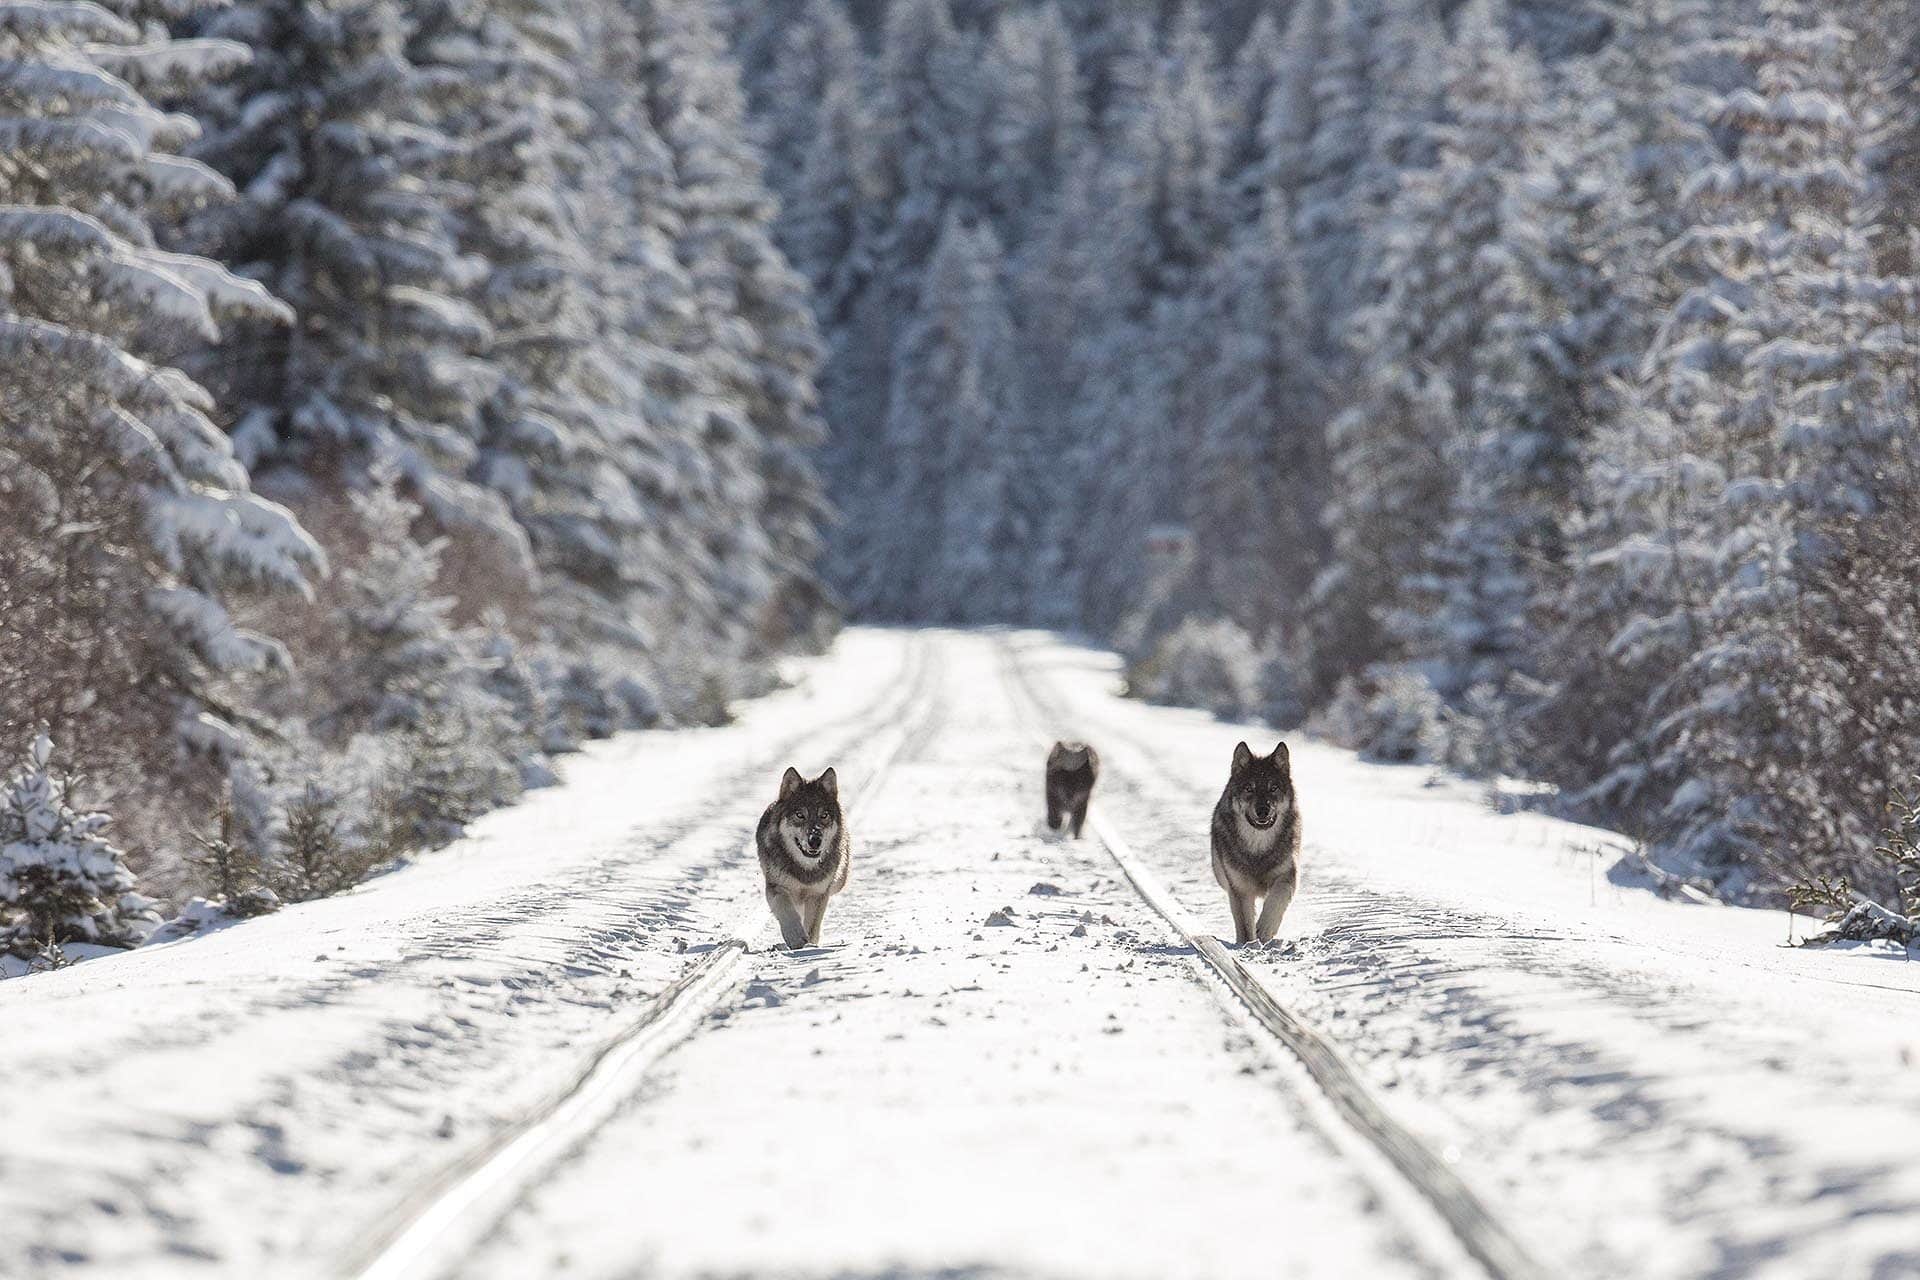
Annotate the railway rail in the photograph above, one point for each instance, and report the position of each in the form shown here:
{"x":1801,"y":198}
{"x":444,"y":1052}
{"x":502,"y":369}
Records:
{"x":445,"y":1218}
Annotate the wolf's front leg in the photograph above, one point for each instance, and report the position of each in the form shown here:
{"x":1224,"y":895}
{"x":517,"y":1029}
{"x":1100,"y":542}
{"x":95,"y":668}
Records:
{"x":1079,"y":818}
{"x":792,"y":931}
{"x":1241,"y":904}
{"x":813,"y":914}
{"x":1279,"y":898}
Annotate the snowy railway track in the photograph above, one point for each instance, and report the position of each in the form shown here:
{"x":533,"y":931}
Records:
{"x":1418,"y":1170}
{"x":434,"y":1228}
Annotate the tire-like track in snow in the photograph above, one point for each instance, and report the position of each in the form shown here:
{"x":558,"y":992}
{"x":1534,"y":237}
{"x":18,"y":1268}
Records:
{"x":440,"y":1223}
{"x":1422,"y":1170}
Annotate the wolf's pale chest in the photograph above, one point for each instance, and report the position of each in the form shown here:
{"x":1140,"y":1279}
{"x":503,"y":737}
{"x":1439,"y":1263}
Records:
{"x":1259,"y":840}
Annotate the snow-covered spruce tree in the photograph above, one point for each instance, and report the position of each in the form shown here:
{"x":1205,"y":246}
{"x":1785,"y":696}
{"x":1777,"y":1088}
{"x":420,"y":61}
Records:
{"x":404,"y":659}
{"x":316,"y":856}
{"x":756,"y":331}
{"x":127,"y":523}
{"x":916,"y":164}
{"x":516,"y":109}
{"x":643,"y":316}
{"x":1258,"y":469}
{"x":1039,"y":123}
{"x":1398,"y":451}
{"x":818,"y":56}
{"x":1210,"y":664}
{"x":926,"y":76}
{"x":347,"y":211}
{"x":1590,"y":220}
{"x":1254,"y":70}
{"x":1053,"y":291}
{"x":1838,"y":381}
{"x":958,"y":433}
{"x":61,"y":881}
{"x":1285,"y":116}
{"x":1161,"y":221}
{"x":1325,"y":137}
{"x":420,"y":683}
{"x":233,"y":870}
{"x":1569,"y":319}
{"x":1771,"y":385}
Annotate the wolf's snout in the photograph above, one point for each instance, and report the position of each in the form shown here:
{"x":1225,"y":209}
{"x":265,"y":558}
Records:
{"x":813,"y":841}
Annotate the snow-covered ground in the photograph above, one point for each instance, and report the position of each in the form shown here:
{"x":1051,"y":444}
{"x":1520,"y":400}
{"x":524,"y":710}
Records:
{"x":1635,"y":1087}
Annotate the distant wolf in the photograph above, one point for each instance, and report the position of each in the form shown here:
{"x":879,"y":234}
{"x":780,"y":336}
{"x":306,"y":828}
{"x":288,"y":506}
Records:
{"x":805,"y":854}
{"x":1072,"y":769}
{"x":1256,"y":841}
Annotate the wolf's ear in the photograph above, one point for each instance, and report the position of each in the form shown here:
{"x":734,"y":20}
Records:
{"x":789,"y":782}
{"x":1242,"y":757}
{"x":831,"y":781}
{"x":1282,"y":756}
{"x":1058,"y":745}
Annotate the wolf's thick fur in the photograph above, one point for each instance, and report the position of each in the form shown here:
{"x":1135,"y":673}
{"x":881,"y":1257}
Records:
{"x":1256,"y":841}
{"x":1072,"y":769}
{"x":805,"y":854}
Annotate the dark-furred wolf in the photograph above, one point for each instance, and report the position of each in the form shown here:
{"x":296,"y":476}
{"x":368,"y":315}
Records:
{"x":1256,"y":841}
{"x":805,"y":854}
{"x":1072,"y":769}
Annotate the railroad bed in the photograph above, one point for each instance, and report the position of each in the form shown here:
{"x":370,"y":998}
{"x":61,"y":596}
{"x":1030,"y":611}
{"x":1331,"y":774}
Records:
{"x":569,"y":1044}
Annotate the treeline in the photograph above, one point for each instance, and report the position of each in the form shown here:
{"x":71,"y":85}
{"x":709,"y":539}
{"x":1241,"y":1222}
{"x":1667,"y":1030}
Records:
{"x":391,"y":395}
{"x":1526,"y":387}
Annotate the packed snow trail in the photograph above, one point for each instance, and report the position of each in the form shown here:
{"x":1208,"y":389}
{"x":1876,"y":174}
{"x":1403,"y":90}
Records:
{"x":1634,"y":1087}
{"x":1644,"y":1088}
{"x":1001,"y":1063}
{"x":251,"y":1101}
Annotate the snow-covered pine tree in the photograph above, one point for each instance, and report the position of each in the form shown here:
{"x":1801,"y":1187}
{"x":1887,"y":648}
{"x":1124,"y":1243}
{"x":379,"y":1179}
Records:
{"x":1626,"y":134}
{"x":925,"y":77}
{"x":756,"y":331}
{"x":1258,"y":468}
{"x":958,"y":534}
{"x":129,"y":524}
{"x":1161,"y":219}
{"x":1254,"y":71}
{"x":1398,"y":451}
{"x":1569,"y":320}
{"x":1325,"y":140}
{"x":818,"y":57}
{"x":829,"y":209}
{"x":1834,"y":376}
{"x":644,"y":321}
{"x":1039,"y":122}
{"x":1055,"y":295}
{"x":416,"y":686}
{"x":1115,"y":40}
{"x":61,"y":880}
{"x":347,"y":204}
{"x":512,"y":104}
{"x":403,"y":655}
{"x":1771,"y":382}
{"x":1280,"y":158}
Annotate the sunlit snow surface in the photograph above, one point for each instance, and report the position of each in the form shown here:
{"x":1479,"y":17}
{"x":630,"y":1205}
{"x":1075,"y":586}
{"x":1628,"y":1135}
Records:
{"x":1639,"y":1088}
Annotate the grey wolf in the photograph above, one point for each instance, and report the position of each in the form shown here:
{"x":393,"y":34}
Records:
{"x":805,"y":854}
{"x":1072,"y":769}
{"x":1256,"y":841}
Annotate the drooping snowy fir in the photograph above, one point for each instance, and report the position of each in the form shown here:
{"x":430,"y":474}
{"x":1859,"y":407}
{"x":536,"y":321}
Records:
{"x":61,"y":880}
{"x":130,"y":522}
{"x":755,"y":333}
{"x":348,"y":190}
{"x":1774,"y":380}
{"x":1401,"y":448}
